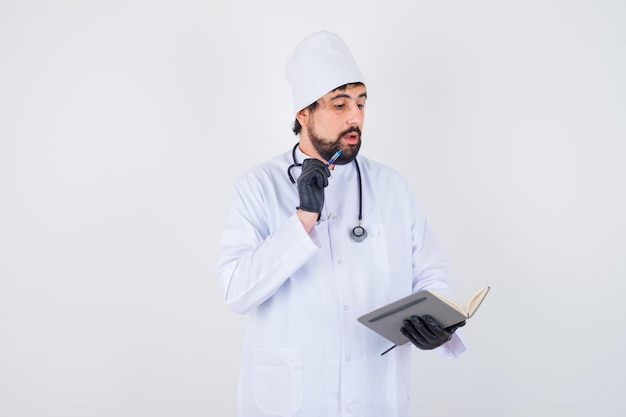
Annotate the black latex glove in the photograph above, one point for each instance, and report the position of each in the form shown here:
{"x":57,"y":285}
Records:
{"x":311,"y":183}
{"x":425,"y":333}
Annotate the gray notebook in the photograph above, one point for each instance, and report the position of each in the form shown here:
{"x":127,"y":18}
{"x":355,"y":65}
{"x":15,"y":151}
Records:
{"x":388,"y":320}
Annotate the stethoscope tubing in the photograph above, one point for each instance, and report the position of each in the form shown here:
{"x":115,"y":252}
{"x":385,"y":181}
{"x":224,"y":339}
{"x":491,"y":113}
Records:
{"x":358,"y":233}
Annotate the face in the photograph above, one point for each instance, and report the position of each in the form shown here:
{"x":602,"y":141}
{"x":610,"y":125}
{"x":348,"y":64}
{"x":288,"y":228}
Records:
{"x":336,"y":124}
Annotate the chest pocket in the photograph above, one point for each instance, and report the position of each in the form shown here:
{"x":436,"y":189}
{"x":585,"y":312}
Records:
{"x":388,"y":246}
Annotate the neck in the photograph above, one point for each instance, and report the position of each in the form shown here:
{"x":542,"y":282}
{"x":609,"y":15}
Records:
{"x":307,"y":147}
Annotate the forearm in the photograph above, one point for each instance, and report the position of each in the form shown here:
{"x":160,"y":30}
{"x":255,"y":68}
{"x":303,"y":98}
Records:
{"x":250,"y":273}
{"x":431,"y":272}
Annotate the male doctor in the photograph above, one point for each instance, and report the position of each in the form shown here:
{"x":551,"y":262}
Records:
{"x":309,"y":246}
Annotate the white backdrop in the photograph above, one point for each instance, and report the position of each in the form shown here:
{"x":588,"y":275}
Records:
{"x":124,"y":123}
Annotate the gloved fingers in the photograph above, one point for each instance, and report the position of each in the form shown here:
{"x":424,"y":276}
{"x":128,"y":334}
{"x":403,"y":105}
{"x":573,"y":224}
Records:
{"x":315,"y":164}
{"x":452,"y":329}
{"x":426,"y":333}
{"x":413,"y":335}
{"x":427,"y":327}
{"x":321,"y":179}
{"x":312,"y":178}
{"x":311,"y":183}
{"x":412,"y":339}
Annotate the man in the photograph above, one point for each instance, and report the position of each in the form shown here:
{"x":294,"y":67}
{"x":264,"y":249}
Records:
{"x":309,"y":247}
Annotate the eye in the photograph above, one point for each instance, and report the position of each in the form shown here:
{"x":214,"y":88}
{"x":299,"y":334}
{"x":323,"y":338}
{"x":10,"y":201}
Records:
{"x":339,"y":105}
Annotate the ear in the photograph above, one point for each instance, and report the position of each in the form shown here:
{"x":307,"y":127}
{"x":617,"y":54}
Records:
{"x":303,"y":116}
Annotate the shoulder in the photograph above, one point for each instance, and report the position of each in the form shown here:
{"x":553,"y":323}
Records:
{"x":382,"y":180}
{"x":272,"y":171}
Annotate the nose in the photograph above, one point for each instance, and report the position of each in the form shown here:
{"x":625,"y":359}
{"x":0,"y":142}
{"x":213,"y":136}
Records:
{"x":355,"y":116}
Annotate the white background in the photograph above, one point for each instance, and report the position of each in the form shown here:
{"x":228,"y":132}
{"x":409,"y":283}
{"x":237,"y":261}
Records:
{"x":124,"y":123}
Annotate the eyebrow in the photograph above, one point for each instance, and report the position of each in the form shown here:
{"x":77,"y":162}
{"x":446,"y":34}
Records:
{"x":344,"y":95}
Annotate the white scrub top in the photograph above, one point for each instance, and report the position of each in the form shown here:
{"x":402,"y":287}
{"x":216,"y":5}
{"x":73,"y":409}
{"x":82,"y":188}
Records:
{"x":305,"y":354}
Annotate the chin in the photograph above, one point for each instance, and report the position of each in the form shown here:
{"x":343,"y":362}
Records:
{"x":348,"y":155}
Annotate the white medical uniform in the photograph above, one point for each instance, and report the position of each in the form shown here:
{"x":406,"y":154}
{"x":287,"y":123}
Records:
{"x":305,"y":354}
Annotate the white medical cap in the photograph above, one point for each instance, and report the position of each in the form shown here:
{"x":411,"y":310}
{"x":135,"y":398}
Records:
{"x":319,"y":64}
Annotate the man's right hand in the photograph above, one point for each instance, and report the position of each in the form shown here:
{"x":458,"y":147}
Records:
{"x":311,"y":183}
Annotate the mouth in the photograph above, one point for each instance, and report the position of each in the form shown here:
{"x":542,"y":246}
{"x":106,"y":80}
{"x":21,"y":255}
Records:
{"x":351,"y":138}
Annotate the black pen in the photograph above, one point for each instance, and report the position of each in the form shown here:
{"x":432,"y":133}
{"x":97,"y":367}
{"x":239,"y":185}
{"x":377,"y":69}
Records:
{"x":388,"y":350}
{"x":334,"y":158}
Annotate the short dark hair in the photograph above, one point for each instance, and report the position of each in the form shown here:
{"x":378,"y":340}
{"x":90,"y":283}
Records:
{"x":297,"y":127}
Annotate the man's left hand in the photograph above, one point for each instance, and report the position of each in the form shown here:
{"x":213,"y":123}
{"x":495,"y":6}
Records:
{"x":426,"y":334}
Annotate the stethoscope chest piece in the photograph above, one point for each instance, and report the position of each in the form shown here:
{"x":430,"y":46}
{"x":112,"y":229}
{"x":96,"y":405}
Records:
{"x":358,"y":234}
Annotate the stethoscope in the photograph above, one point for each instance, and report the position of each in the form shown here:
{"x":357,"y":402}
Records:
{"x":359,"y":233}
